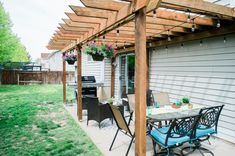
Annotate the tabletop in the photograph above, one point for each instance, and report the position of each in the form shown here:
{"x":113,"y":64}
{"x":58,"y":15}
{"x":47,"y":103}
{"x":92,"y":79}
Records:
{"x":169,"y":113}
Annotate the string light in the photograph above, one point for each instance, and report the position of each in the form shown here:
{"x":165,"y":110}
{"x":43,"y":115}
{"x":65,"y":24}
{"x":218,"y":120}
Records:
{"x":182,"y":45}
{"x":103,"y":40}
{"x":225,"y":39}
{"x":117,"y":32}
{"x":193,"y":27}
{"x":189,"y":18}
{"x":218,"y":23}
{"x":168,"y":33}
{"x":154,"y":13}
{"x":201,"y":43}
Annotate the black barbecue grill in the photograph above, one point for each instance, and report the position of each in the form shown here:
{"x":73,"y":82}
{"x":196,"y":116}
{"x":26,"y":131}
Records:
{"x":88,"y":86}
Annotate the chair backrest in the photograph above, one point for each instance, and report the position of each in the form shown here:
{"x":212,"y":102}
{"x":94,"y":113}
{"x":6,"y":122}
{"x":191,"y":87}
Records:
{"x":162,"y":98}
{"x":182,"y":127}
{"x":119,"y":118}
{"x":92,"y":102}
{"x":131,"y":101}
{"x":210,"y":117}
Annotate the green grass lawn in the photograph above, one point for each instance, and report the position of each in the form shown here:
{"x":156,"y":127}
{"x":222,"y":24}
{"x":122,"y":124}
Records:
{"x":33,"y":121}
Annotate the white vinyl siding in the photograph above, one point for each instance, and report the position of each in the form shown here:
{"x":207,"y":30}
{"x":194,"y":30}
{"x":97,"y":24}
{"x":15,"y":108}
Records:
{"x":117,"y":81}
{"x":204,"y":72}
{"x":107,"y":73}
{"x":92,"y":68}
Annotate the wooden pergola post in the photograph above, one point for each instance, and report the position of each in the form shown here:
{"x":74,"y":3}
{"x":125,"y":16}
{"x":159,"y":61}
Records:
{"x":64,"y":80}
{"x":112,"y":77}
{"x":140,"y":82}
{"x":79,"y":82}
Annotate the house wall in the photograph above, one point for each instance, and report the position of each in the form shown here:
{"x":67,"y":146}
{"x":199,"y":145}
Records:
{"x":55,"y":63}
{"x":205,"y":73}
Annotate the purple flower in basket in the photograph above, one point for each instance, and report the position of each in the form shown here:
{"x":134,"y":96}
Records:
{"x":70,"y":57}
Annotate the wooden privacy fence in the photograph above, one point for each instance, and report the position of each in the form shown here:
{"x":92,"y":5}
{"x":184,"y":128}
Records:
{"x":34,"y":77}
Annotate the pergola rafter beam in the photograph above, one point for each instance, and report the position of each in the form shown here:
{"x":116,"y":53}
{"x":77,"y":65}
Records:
{"x":199,"y":5}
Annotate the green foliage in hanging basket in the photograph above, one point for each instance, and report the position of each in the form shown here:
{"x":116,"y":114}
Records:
{"x":104,"y":50}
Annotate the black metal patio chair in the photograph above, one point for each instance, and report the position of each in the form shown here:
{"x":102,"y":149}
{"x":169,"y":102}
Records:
{"x":176,"y":134}
{"x":122,"y":126}
{"x":207,"y":126}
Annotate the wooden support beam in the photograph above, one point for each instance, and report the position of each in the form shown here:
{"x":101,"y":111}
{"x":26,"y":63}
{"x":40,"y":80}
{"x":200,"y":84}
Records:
{"x":64,"y":81}
{"x":79,"y":82}
{"x":92,"y":12}
{"x":199,"y":5}
{"x":182,"y":17}
{"x":140,"y":82}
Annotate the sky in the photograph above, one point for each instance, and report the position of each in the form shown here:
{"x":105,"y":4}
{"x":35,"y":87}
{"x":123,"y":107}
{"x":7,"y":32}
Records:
{"x":35,"y":21}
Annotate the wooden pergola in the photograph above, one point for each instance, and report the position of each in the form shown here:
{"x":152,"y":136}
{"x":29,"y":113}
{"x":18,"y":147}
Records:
{"x":134,"y":26}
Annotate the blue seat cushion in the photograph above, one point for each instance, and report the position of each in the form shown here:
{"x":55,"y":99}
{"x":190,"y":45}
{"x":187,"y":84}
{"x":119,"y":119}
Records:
{"x":158,"y":136}
{"x":202,"y":131}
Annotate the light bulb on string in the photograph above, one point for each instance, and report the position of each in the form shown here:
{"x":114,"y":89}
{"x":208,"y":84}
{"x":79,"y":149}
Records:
{"x":218,"y":24}
{"x":201,"y":43}
{"x":189,"y":18}
{"x":182,"y":45}
{"x":118,"y":32}
{"x":168,"y":33}
{"x":103,"y":40}
{"x":154,"y":13}
{"x":193,"y":27}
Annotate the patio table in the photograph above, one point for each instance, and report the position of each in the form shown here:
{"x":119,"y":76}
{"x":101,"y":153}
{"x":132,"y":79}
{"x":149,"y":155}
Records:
{"x":167,"y":112}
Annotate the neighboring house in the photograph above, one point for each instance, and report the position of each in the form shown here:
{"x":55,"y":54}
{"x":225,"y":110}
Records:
{"x":53,"y":62}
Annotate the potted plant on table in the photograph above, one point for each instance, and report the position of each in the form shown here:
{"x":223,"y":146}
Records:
{"x":98,"y":53}
{"x":186,"y":100}
{"x":70,"y":58}
{"x":177,"y":104}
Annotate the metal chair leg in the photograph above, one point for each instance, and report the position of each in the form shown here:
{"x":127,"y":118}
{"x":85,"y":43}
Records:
{"x":130,"y":119}
{"x":113,"y":140}
{"x":129,"y":146}
{"x":198,"y":147}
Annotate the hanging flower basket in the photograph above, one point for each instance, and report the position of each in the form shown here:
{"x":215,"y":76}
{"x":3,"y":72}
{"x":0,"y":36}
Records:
{"x":70,"y":58}
{"x":71,"y":62}
{"x":98,"y":53}
{"x":97,"y":57}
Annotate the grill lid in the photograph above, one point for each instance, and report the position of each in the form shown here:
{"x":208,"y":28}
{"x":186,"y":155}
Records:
{"x":88,"y":79}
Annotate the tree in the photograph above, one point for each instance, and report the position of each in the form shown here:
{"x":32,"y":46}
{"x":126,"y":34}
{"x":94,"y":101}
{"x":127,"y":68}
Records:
{"x":11,"y":49}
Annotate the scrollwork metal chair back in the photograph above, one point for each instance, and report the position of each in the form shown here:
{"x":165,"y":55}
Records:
{"x":182,"y":127}
{"x":209,"y":117}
